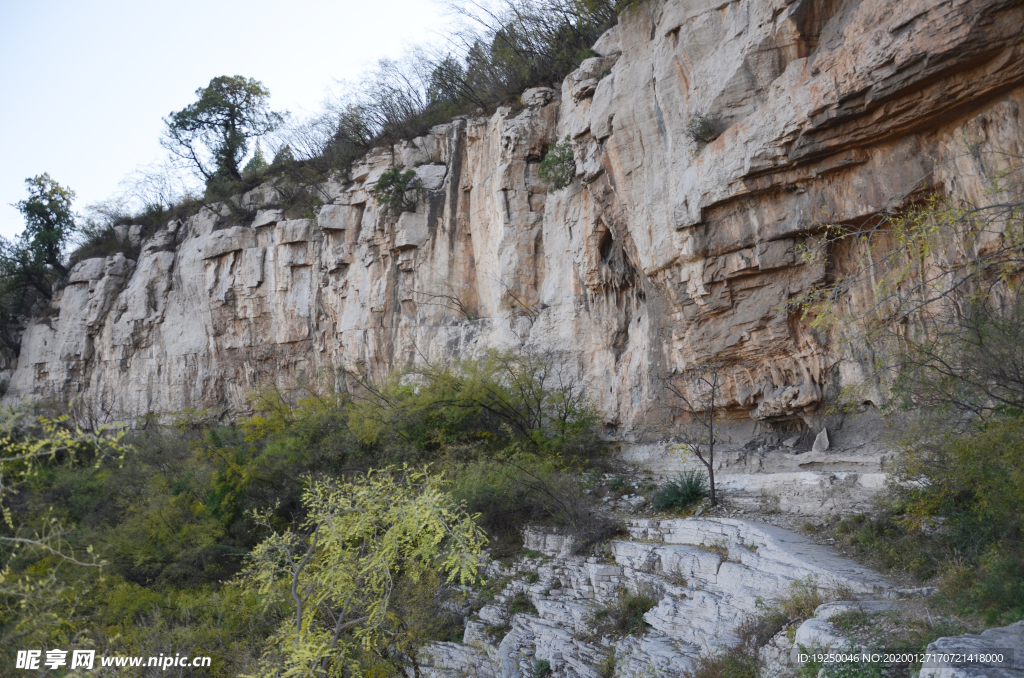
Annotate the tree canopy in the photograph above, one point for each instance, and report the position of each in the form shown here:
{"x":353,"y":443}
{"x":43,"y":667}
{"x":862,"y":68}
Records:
{"x":361,"y":541}
{"x":49,"y":222}
{"x":35,"y":259}
{"x":212,"y":135}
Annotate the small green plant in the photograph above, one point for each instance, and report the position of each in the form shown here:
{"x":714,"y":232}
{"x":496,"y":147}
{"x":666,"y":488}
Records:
{"x":531,"y":577}
{"x":618,"y":483}
{"x":397,"y":191}
{"x":625,"y":617}
{"x":521,"y":603}
{"x":632,"y":608}
{"x":559,"y":166}
{"x":731,"y":663}
{"x":532,"y":554}
{"x":541,"y":667}
{"x":675,"y":495}
{"x":703,"y":128}
{"x":844,"y":621}
{"x":805,"y":596}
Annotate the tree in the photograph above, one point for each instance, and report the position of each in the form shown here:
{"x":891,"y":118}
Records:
{"x":35,"y":260}
{"x":35,"y":555}
{"x":231,"y":110}
{"x":697,"y":394}
{"x":257,"y":165}
{"x":559,"y":165}
{"x":397,"y":191}
{"x":49,"y":222}
{"x":359,"y":543}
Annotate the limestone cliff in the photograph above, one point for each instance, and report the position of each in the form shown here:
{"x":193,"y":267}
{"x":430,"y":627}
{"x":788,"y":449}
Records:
{"x":665,"y":251}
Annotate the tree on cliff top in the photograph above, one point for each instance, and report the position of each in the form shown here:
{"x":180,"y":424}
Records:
{"x":31,"y":263}
{"x":212,"y":135}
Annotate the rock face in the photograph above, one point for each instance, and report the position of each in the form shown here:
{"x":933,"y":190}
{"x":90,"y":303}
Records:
{"x":706,"y":576}
{"x":667,"y":249}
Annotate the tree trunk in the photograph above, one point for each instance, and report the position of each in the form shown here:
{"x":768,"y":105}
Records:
{"x":711,"y":484}
{"x":711,"y":450}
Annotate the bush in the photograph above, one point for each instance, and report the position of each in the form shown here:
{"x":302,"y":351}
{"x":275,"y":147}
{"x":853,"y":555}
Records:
{"x":676,"y":495}
{"x":804,"y":598}
{"x":510,"y":435}
{"x":703,"y":128}
{"x":731,"y":663}
{"x":625,"y":617}
{"x":397,"y":191}
{"x":559,"y":165}
{"x":521,"y":604}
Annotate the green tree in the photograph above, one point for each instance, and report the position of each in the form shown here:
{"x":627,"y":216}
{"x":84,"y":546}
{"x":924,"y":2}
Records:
{"x":212,"y":134}
{"x":49,"y":222}
{"x":257,"y":164}
{"x":361,"y":541}
{"x":31,"y":263}
{"x":559,"y":165}
{"x":397,"y":191}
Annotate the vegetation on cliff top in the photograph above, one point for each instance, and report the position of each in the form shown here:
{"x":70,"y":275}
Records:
{"x":492,"y":54}
{"x":32,"y":263}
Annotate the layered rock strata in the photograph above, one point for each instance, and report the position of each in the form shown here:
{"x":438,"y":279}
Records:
{"x":672,"y":246}
{"x":707,"y":576}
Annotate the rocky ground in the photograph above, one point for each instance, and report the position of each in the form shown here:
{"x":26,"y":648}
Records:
{"x":681,"y":587}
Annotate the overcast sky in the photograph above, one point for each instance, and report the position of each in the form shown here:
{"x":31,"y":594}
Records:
{"x":86,"y":84}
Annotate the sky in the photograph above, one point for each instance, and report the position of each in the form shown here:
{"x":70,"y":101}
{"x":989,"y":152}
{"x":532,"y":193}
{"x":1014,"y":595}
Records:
{"x":86,"y":85}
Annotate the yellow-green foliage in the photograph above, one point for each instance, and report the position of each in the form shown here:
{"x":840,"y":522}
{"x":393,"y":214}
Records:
{"x":175,"y":517}
{"x":977,"y":475}
{"x":804,"y":597}
{"x":505,"y":394}
{"x":338,"y":573}
{"x":953,"y":514}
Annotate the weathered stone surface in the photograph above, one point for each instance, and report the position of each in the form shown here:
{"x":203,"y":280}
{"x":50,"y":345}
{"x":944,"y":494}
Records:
{"x":411,"y":230}
{"x":668,"y":251}
{"x":229,"y":240}
{"x":538,"y":96}
{"x":87,"y":271}
{"x":821,"y":442}
{"x":432,"y":176}
{"x":267,"y":218}
{"x":716,"y":573}
{"x":295,"y":230}
{"x":1007,"y":641}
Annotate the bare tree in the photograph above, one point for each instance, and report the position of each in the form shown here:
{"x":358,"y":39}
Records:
{"x":452,"y":297}
{"x":696,"y":394}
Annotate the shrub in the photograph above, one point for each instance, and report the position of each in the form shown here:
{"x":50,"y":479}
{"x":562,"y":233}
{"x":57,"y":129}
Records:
{"x":731,"y":663}
{"x":953,"y":512}
{"x":804,"y":598}
{"x":559,"y":165}
{"x":521,"y":604}
{"x":618,"y":483}
{"x":703,"y":128}
{"x":741,"y":661}
{"x":675,"y":495}
{"x":541,"y":667}
{"x":397,"y":191}
{"x":625,"y":617}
